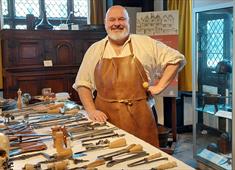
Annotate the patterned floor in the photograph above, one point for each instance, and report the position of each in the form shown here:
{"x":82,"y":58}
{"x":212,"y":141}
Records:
{"x":184,"y":149}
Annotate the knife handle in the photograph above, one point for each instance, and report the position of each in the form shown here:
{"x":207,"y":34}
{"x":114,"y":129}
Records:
{"x":156,"y":155}
{"x":96,"y":163}
{"x":37,"y":147}
{"x":58,"y":165}
{"x":170,"y":164}
{"x":125,"y":150}
{"x":136,"y":148}
{"x":117,"y":143}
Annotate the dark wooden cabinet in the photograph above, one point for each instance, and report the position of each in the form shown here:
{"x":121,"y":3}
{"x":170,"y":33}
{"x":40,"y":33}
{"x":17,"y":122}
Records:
{"x":24,"y":53}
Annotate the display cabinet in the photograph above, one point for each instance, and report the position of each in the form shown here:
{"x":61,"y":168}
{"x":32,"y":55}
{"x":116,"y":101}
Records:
{"x":213,"y":86}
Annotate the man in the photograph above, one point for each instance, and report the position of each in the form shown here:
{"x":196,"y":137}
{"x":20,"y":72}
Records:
{"x":120,"y":67}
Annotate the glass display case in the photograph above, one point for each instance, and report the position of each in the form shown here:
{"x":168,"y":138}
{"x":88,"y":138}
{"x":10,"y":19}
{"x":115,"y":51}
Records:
{"x":213,"y":86}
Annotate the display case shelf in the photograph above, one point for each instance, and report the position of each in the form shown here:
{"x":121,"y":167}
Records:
{"x":210,"y":109}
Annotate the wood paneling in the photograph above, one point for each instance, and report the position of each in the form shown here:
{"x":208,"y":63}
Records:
{"x":24,"y":52}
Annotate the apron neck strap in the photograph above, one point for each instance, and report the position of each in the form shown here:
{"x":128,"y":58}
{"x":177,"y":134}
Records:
{"x":106,"y":42}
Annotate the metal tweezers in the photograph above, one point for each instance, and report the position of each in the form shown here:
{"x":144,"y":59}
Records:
{"x":145,"y":161}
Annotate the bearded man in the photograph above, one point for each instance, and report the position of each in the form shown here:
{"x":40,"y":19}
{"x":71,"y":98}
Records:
{"x":122,"y":68}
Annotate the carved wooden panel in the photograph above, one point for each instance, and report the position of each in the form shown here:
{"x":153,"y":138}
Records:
{"x":64,"y":52}
{"x":24,"y":52}
{"x":29,"y":53}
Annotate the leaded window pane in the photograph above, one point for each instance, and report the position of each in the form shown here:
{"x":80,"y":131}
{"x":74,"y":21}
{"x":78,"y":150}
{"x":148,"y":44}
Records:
{"x":4,"y":7}
{"x":80,"y":8}
{"x":56,"y":8}
{"x":215,"y":39}
{"x":24,"y":7}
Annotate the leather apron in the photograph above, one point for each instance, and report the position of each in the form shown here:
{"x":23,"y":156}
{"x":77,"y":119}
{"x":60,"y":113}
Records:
{"x":121,"y":96}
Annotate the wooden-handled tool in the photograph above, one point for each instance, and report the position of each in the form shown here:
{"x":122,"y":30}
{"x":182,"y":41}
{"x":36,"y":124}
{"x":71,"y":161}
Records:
{"x":93,"y":164}
{"x":59,"y":143}
{"x":61,"y":165}
{"x":132,"y":156}
{"x":152,"y":158}
{"x":118,"y":152}
{"x":168,"y":165}
{"x":137,"y":148}
{"x":96,"y":163}
{"x":24,"y":145}
{"x":31,"y":167}
{"x":115,"y":144}
{"x":156,"y":155}
{"x":31,"y":148}
{"x":133,"y":148}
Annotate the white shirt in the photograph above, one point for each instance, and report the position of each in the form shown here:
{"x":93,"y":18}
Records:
{"x":153,"y":55}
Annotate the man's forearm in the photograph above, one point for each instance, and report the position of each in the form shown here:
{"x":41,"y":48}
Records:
{"x":86,"y":98}
{"x":168,"y":75}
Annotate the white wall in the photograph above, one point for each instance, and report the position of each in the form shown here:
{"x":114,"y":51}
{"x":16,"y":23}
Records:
{"x":132,"y":15}
{"x":158,"y":5}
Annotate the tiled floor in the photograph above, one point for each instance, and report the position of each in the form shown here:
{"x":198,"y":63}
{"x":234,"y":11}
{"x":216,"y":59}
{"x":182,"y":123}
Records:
{"x":184,"y":149}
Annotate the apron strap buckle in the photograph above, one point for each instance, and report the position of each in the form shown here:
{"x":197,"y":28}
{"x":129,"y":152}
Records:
{"x":127,"y":102}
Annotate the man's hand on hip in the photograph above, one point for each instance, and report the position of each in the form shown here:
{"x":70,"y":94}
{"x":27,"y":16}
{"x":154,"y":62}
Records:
{"x":97,"y":115}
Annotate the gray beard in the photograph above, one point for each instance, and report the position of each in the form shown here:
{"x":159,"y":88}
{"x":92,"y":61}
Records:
{"x":118,"y":36}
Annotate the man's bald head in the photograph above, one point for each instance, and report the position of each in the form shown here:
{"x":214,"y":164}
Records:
{"x":117,"y":8}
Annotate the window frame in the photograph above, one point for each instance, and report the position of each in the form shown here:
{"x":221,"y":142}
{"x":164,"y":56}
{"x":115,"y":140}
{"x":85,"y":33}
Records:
{"x":13,"y":20}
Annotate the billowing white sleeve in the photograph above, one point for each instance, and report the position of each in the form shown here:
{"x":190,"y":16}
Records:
{"x":164,"y":55}
{"x":85,"y":75}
